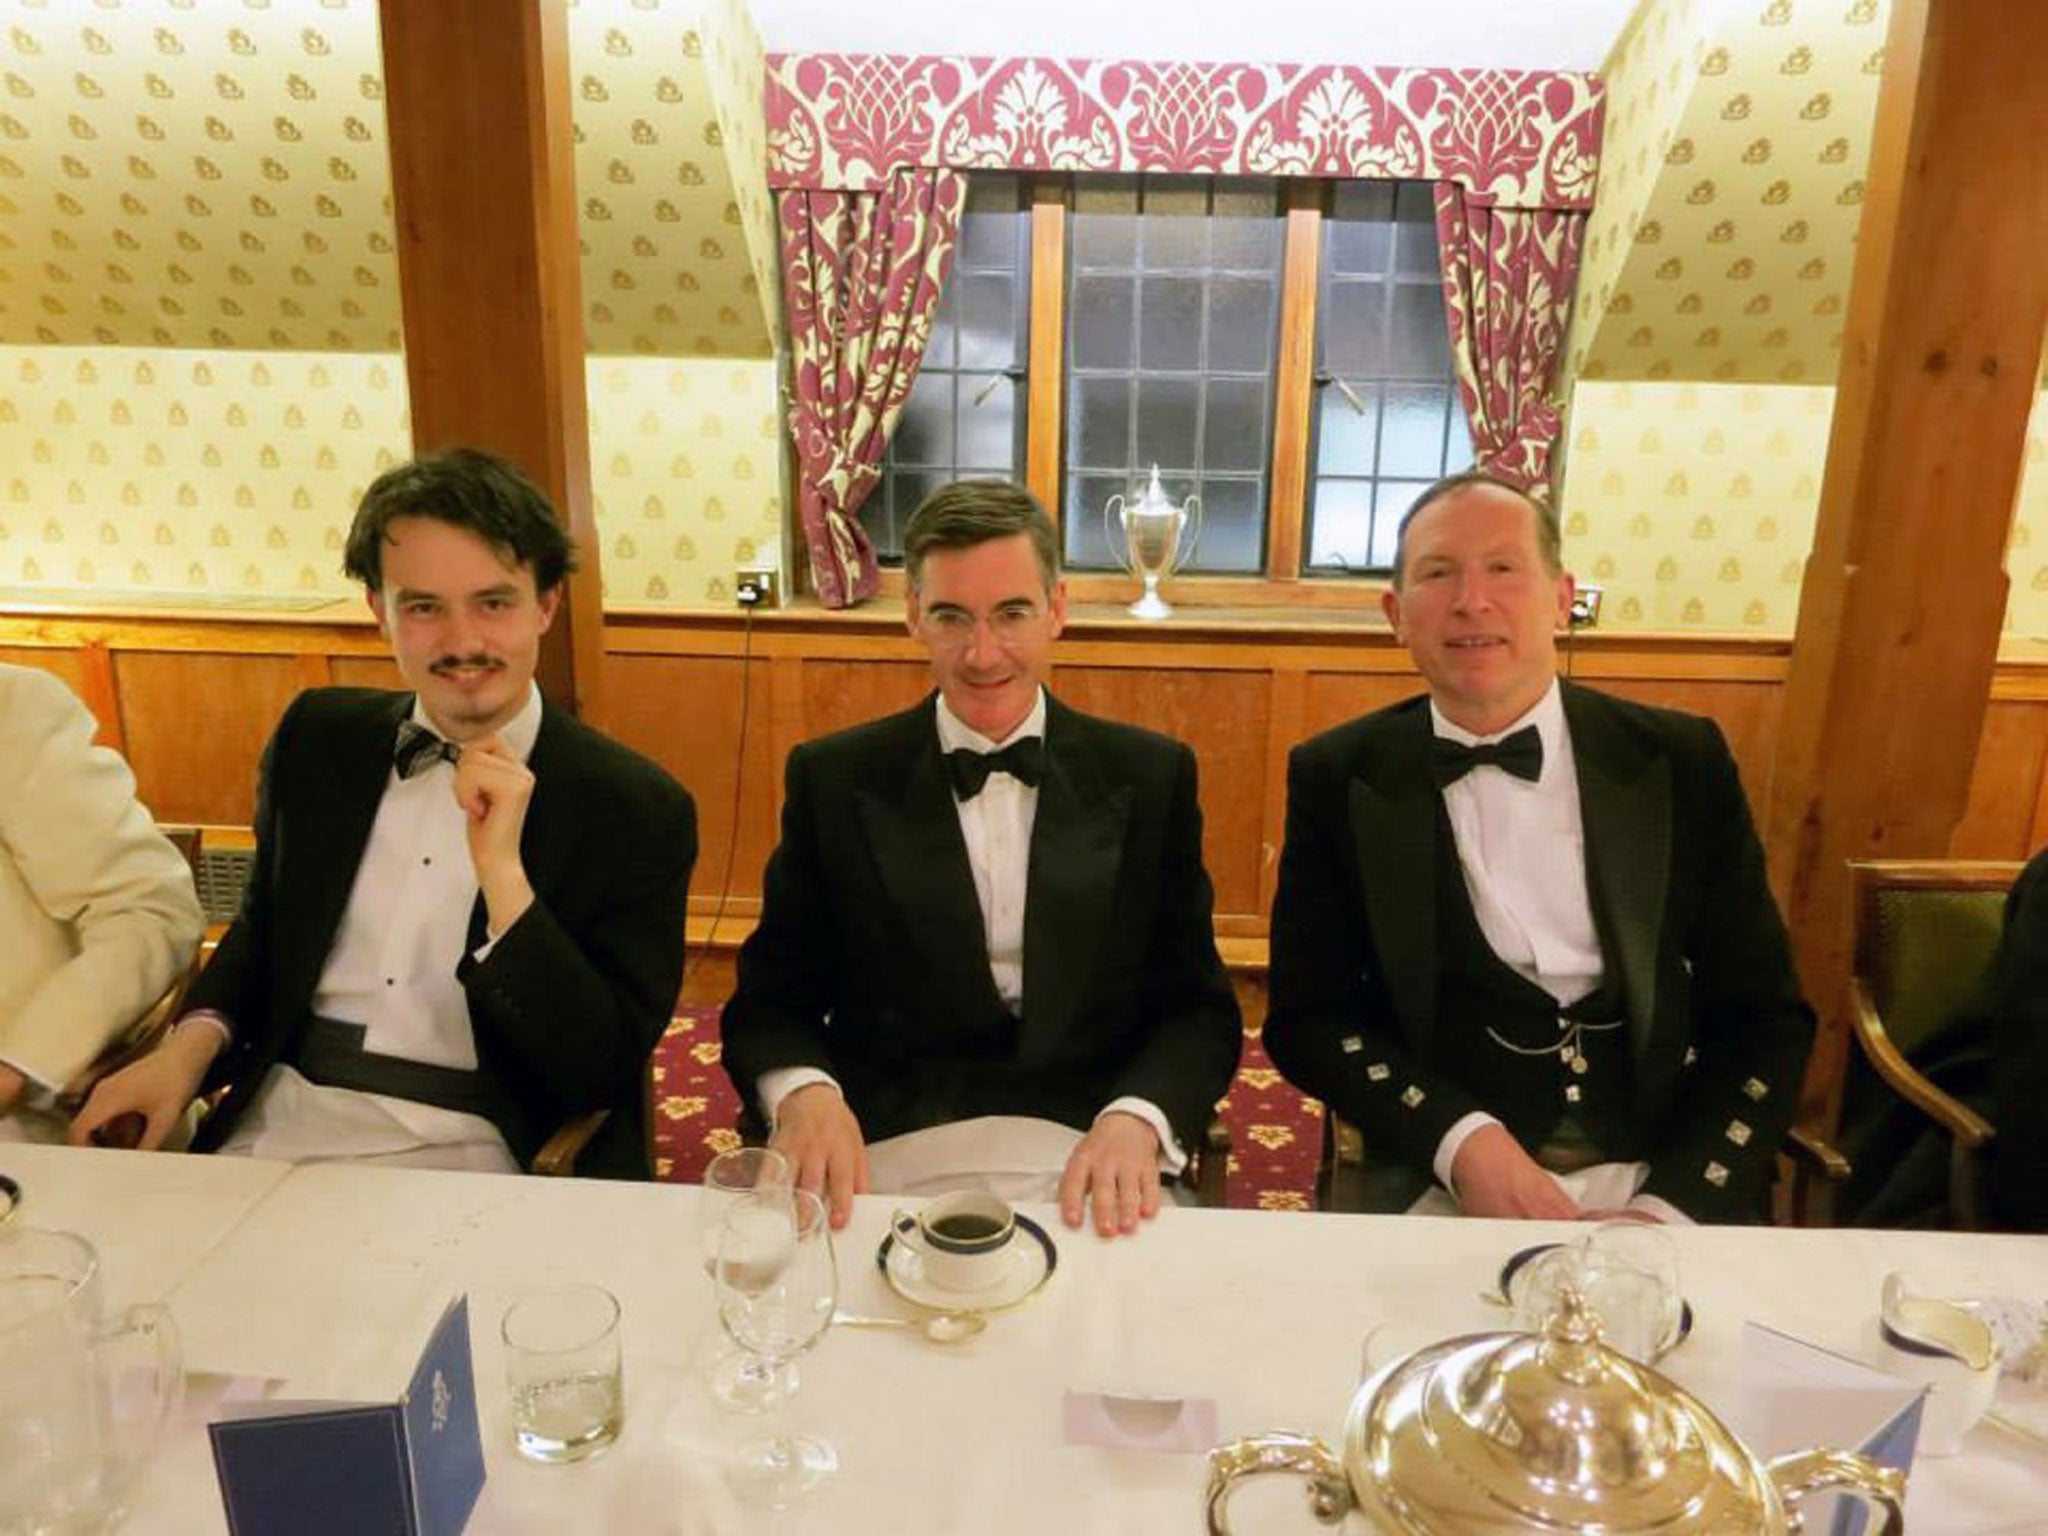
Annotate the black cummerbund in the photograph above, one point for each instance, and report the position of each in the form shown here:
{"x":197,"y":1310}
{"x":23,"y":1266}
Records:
{"x":331,"y":1053}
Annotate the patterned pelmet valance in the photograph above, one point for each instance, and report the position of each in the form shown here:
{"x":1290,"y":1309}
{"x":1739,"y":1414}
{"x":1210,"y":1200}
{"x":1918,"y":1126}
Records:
{"x":1517,"y":138}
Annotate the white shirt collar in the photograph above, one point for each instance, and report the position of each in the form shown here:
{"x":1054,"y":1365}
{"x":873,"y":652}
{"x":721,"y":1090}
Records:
{"x":1546,"y":714}
{"x":519,"y":733}
{"x":954,"y":733}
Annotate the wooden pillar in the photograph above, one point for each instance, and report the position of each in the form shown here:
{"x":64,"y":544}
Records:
{"x":1905,"y":590}
{"x":478,"y":102}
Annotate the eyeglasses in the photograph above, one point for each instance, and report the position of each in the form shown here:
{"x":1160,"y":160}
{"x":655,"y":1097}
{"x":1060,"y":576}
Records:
{"x":952,"y":628}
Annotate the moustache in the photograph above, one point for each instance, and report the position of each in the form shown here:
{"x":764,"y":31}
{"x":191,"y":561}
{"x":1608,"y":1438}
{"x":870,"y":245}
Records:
{"x":448,"y":664}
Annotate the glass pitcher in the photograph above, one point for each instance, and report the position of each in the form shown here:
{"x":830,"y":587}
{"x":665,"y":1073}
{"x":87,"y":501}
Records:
{"x":83,"y":1397}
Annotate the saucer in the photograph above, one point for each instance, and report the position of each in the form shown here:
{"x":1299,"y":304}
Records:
{"x":1522,"y":1256}
{"x":1028,"y":1263}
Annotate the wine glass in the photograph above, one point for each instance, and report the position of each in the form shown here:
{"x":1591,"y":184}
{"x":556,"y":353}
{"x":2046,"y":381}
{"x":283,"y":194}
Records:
{"x":737,"y":1379}
{"x":777,"y":1284}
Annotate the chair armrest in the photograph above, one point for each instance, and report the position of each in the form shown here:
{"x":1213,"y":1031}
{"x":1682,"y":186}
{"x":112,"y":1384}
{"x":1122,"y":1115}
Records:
{"x":1810,"y":1151}
{"x":557,"y":1156}
{"x":1207,"y":1172}
{"x":1967,"y":1126}
{"x":1818,"y":1169}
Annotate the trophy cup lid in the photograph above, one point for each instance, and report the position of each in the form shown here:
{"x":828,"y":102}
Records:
{"x":1154,"y":497}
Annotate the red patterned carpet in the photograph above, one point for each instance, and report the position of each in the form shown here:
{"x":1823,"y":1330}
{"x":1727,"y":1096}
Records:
{"x":1275,"y":1133}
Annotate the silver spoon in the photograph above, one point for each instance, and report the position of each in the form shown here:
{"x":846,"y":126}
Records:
{"x":939,"y":1328}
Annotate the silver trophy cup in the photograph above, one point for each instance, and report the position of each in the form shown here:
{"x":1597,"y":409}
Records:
{"x":1151,"y":545}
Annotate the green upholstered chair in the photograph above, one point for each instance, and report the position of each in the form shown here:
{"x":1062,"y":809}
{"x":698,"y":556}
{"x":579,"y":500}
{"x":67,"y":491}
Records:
{"x":1927,"y":932}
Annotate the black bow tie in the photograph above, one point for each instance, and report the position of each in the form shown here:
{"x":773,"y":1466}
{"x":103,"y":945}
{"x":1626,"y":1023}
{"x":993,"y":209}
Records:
{"x":419,"y":749}
{"x":1520,"y":754}
{"x":1023,"y":761}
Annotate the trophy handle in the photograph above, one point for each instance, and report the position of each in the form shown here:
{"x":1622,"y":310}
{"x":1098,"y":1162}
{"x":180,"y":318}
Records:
{"x":1112,"y":534}
{"x":1191,"y":508}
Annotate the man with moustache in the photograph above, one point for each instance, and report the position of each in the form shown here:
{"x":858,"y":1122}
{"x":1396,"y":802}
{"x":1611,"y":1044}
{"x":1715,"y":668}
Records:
{"x":465,"y":922}
{"x":1522,"y":936}
{"x":985,"y":953}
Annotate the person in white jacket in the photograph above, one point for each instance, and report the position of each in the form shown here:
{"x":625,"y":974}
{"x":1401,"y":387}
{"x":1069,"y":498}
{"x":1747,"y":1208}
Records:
{"x":97,"y":910}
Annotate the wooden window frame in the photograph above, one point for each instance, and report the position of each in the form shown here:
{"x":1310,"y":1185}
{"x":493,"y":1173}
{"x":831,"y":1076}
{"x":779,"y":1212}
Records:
{"x":1281,"y":583}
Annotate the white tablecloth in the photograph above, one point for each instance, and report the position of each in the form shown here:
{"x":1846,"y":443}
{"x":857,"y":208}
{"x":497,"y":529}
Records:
{"x":334,"y":1277}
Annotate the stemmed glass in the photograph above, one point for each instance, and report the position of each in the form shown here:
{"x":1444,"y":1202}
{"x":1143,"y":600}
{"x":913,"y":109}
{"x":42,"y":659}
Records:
{"x":737,"y":1379}
{"x":777,"y":1284}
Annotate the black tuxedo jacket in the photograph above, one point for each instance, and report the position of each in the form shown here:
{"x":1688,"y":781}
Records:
{"x":571,"y":999}
{"x":871,"y":960}
{"x":1718,"y":1033}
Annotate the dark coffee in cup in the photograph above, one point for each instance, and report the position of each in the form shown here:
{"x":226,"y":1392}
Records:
{"x":966,"y":1227}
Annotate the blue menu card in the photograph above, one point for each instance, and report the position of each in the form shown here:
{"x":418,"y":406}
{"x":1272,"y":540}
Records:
{"x":413,"y":1467}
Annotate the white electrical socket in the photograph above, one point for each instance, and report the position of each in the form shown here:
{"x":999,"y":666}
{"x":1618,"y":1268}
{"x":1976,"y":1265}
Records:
{"x":757,"y":587}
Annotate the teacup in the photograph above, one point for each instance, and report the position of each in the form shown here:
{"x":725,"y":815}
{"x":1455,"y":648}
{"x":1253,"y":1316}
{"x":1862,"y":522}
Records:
{"x":962,"y":1240}
{"x":1951,"y":1351}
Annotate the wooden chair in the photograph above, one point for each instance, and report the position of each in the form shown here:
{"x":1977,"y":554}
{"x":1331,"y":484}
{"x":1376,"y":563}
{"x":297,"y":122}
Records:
{"x":1926,"y":936}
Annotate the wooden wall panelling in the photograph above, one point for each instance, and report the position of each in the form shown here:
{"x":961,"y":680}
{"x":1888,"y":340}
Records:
{"x":710,"y":975}
{"x":2006,"y":784}
{"x":315,"y":670}
{"x":67,"y":665}
{"x":1222,"y":716}
{"x":196,"y":723}
{"x":838,"y":694}
{"x":1286,"y":717}
{"x":1331,"y":698}
{"x":101,"y":694}
{"x":786,"y":725}
{"x":685,"y":713}
{"x":364,"y":672}
{"x":1746,"y":712}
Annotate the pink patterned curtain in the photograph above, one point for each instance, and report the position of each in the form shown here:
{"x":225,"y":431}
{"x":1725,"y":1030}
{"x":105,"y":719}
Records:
{"x":861,"y":273}
{"x":1508,"y":278}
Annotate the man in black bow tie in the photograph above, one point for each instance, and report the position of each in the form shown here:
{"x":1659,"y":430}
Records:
{"x":465,"y":923}
{"x":1522,"y":935}
{"x":985,"y":949}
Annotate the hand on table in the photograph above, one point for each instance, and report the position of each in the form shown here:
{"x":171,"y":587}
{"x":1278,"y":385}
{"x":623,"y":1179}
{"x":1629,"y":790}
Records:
{"x":1115,"y":1169}
{"x":157,"y":1088}
{"x":822,"y":1140}
{"x":12,"y":1084}
{"x":1493,"y":1176}
{"x":494,"y":789}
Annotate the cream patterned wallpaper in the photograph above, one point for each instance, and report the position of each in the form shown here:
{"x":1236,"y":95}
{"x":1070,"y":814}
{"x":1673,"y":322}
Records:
{"x":156,"y":470}
{"x":152,"y":469}
{"x":1693,"y":505}
{"x":184,"y":177}
{"x":2026,"y":558}
{"x":1735,"y":264}
{"x":1705,"y":340}
{"x":198,"y":293}
{"x":685,"y":465}
{"x":218,"y":175}
{"x":671,"y":165}
{"x":1649,"y":75}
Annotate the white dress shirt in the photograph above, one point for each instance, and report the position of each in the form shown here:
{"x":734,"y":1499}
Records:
{"x":996,"y":826}
{"x":1522,"y":850}
{"x":392,"y":970}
